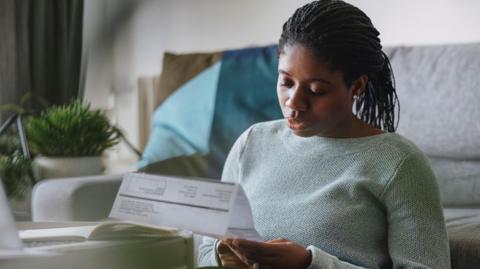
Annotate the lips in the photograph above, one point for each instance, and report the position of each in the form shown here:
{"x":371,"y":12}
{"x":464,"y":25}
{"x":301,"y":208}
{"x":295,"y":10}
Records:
{"x":296,"y":124}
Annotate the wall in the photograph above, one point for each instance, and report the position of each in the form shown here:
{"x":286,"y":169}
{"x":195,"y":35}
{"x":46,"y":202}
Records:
{"x":134,"y":34}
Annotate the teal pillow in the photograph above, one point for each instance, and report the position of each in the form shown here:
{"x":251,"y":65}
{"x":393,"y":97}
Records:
{"x":181,"y":124}
{"x":206,"y":115}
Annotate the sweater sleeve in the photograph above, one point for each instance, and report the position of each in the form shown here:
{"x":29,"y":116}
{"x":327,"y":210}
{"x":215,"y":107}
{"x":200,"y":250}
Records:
{"x":323,"y":260}
{"x":207,"y":255}
{"x":417,"y":236}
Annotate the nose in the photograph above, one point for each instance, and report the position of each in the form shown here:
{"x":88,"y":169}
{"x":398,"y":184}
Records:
{"x":296,"y":99}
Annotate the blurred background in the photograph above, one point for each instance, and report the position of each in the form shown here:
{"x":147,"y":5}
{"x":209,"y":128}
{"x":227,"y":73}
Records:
{"x":98,"y":49}
{"x":126,"y":39}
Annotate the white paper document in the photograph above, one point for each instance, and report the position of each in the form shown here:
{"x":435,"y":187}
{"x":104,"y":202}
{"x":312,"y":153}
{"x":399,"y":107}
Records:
{"x":207,"y":207}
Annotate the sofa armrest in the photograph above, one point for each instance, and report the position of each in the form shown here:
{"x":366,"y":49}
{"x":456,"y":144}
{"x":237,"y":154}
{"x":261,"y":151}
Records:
{"x":75,"y":199}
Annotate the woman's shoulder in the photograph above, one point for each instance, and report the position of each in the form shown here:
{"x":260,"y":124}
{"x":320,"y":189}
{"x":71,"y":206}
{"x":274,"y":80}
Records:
{"x":260,"y":132}
{"x":263,"y":130}
{"x":396,"y":152}
{"x":388,"y":153}
{"x":397,"y":144}
{"x":260,"y":136}
{"x":269,"y":127}
{"x":404,"y":156}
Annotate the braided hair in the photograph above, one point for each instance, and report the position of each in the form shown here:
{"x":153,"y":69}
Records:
{"x":344,"y":37}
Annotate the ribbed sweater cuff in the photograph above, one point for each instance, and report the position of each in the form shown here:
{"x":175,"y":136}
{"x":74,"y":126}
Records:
{"x":320,"y":259}
{"x":216,"y":258}
{"x":323,"y":260}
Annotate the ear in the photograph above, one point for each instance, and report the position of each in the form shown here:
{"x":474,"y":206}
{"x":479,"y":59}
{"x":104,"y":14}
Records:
{"x":359,"y":85}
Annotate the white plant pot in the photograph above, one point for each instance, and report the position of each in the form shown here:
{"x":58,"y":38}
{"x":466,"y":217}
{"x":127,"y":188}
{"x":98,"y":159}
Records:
{"x":61,"y":167}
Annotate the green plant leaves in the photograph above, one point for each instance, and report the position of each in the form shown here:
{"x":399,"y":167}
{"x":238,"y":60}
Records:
{"x":15,"y":174}
{"x":70,"y":130}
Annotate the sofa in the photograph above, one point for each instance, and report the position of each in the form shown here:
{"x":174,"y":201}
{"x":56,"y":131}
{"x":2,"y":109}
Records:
{"x":199,"y":117}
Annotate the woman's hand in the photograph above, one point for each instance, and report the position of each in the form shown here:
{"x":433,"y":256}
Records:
{"x":229,"y":258}
{"x":278,"y":254}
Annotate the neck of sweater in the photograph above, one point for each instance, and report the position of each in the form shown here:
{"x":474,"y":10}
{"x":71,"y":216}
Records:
{"x":329,"y":146}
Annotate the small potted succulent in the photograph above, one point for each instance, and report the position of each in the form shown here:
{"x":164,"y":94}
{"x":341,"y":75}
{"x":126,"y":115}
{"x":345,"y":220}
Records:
{"x":69,"y":140}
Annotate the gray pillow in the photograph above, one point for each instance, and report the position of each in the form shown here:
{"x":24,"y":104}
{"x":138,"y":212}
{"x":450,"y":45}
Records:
{"x":439,"y":92}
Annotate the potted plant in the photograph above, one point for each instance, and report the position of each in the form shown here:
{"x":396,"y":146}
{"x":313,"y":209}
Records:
{"x":16,"y":175}
{"x":69,"y":140}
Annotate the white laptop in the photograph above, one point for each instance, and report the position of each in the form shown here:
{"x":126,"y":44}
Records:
{"x":10,"y":243}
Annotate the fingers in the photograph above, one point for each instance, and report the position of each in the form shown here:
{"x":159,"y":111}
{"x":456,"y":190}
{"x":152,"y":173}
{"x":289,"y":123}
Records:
{"x":242,"y":256}
{"x":225,"y":248}
{"x":278,"y":240}
{"x":253,"y":247}
{"x":232,"y":261}
{"x":260,"y":252}
{"x":251,"y":251}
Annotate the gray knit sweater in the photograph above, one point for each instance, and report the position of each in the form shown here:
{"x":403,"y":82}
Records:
{"x":368,"y":202}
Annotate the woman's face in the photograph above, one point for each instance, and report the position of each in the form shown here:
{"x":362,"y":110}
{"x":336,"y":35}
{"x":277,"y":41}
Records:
{"x":314,"y":99}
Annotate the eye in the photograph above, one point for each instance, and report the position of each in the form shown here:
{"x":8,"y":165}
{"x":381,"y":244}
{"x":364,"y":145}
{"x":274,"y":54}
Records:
{"x":317,"y":92}
{"x":285,"y":83}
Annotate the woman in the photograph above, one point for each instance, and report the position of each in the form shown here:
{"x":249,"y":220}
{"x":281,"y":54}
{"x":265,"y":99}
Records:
{"x":330,"y":188}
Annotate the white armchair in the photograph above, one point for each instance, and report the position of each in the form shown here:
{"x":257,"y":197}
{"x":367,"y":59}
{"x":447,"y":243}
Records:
{"x":74,"y":199}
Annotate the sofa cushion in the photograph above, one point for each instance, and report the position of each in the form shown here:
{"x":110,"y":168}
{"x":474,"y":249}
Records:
{"x":246,"y":94}
{"x":463,"y":227}
{"x":458,"y":180}
{"x":178,"y":69}
{"x":438,"y":88}
{"x":206,"y":114}
{"x":181,"y":124}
